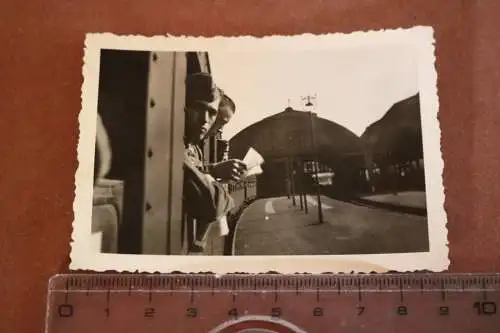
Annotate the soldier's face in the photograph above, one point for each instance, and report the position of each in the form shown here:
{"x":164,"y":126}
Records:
{"x":223,"y":117}
{"x":200,"y":120}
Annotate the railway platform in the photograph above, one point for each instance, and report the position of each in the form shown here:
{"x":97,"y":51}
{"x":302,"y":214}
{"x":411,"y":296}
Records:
{"x":274,"y":226}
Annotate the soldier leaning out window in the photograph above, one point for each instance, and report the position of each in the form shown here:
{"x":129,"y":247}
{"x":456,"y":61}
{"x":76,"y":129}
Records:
{"x":206,"y":200}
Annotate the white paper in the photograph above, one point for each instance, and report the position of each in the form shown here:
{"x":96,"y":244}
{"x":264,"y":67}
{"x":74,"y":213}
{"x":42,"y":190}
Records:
{"x":223,"y":226}
{"x":254,"y":171}
{"x":253,"y":159}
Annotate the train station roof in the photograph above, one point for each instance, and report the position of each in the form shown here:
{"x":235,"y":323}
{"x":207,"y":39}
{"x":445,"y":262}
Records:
{"x":290,"y":133}
{"x":398,"y":132}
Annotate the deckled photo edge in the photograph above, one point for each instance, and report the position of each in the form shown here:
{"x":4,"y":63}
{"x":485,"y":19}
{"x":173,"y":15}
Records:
{"x":81,"y":256}
{"x":169,"y":42}
{"x":435,"y":197}
{"x":82,"y":205}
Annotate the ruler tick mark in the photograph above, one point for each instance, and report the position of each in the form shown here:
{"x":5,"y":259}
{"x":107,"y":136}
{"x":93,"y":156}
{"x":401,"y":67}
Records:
{"x":317,"y":294}
{"x":66,"y":294}
{"x":483,"y":287}
{"x":191,"y":296}
{"x":89,"y":285}
{"x":150,"y":293}
{"x":443,"y":291}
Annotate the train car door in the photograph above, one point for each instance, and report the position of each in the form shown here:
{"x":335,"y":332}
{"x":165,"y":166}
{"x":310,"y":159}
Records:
{"x":141,"y":102}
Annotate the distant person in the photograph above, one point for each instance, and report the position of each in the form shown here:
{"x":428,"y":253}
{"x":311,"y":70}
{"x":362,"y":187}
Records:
{"x":205,"y":199}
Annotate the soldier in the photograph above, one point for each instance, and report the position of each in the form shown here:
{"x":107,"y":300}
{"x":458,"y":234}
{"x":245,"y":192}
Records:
{"x":205,"y":199}
{"x":227,"y":109}
{"x":226,"y":170}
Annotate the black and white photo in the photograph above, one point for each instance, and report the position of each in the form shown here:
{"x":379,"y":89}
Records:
{"x":308,"y":153}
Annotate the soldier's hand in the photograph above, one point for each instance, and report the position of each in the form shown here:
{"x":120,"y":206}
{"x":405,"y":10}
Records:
{"x":230,"y":170}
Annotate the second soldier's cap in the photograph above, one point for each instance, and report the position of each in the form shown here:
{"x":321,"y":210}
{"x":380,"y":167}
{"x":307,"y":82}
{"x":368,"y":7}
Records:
{"x":201,"y":90}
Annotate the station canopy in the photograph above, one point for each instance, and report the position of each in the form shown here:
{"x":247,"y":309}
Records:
{"x":398,"y":132}
{"x":290,"y":133}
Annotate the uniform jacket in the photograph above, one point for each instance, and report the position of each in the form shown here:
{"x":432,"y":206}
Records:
{"x":205,"y":199}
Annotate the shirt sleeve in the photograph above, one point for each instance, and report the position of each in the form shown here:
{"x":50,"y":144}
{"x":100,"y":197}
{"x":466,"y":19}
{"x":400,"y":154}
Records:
{"x":102,"y":160}
{"x":204,"y":198}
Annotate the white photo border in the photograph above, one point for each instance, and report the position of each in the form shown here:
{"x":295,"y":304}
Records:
{"x":421,"y":38}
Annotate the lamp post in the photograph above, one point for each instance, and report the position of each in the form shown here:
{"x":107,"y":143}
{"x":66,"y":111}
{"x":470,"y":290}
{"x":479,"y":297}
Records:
{"x":316,"y":161}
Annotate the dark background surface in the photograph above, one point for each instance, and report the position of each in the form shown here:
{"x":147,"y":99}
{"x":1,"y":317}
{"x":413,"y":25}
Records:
{"x":40,"y":82}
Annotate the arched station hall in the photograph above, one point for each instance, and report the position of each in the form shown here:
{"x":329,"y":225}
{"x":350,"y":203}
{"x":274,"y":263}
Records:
{"x":289,"y":142}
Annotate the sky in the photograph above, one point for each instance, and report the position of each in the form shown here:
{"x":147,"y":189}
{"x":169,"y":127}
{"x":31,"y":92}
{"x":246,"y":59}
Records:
{"x":353,"y":87}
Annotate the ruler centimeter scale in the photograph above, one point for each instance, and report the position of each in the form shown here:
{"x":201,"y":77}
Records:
{"x":274,"y":303}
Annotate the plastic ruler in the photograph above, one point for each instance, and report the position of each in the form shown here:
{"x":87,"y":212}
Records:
{"x":274,"y":303}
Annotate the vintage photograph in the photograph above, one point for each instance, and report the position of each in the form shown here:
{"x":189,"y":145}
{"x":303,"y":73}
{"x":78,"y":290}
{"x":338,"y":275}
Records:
{"x":310,"y":153}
